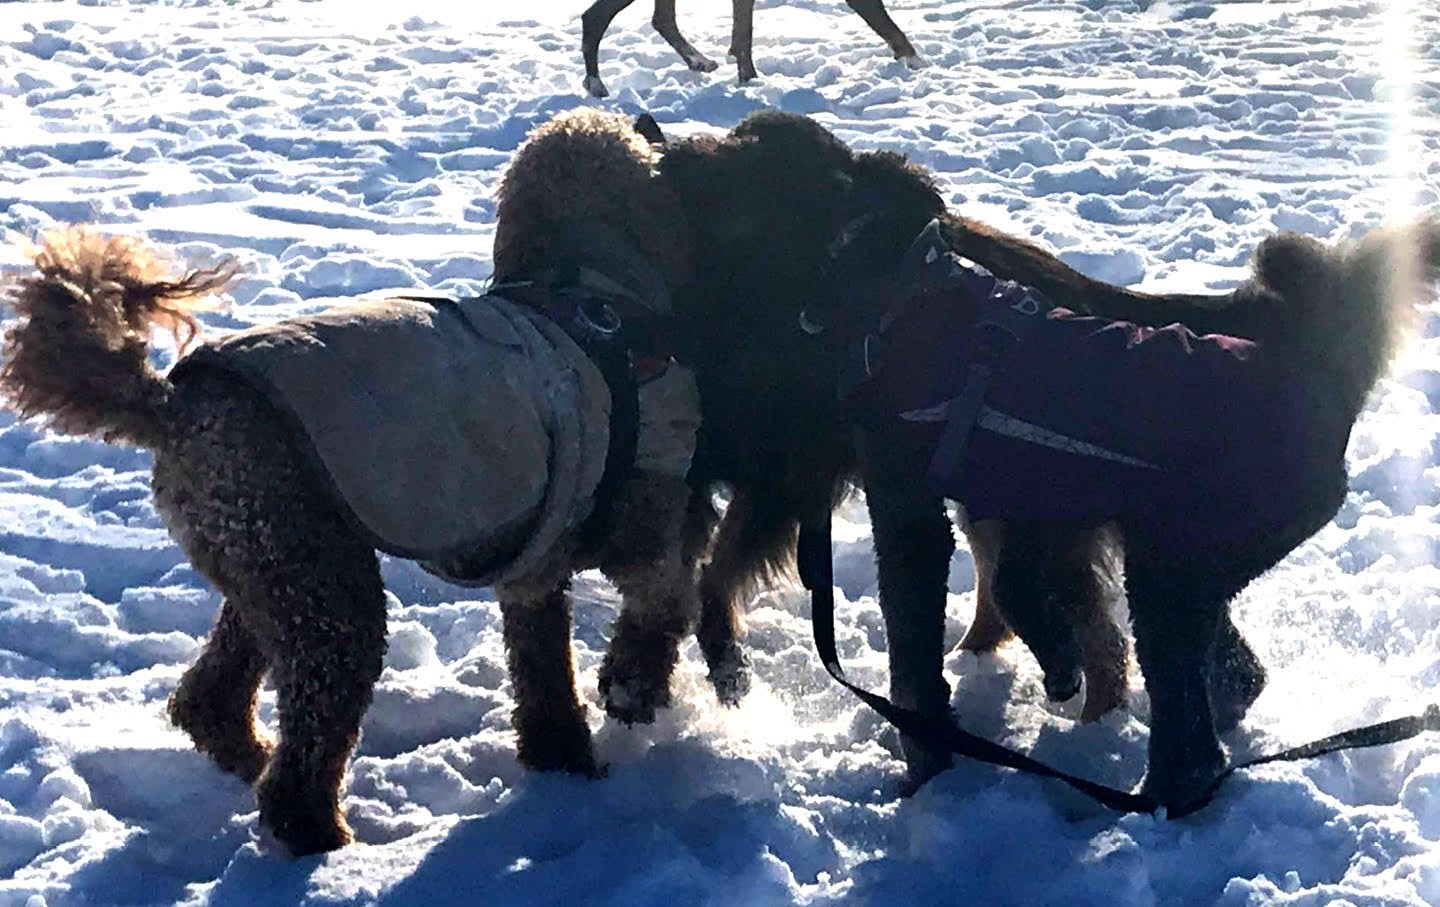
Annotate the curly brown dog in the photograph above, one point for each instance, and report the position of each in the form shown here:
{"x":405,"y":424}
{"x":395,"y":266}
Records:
{"x":252,"y":494}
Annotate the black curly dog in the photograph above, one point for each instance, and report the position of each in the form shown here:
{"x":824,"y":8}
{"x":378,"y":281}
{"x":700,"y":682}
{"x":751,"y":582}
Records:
{"x":769,"y":201}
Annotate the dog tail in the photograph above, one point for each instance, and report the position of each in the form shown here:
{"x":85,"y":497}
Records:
{"x":1351,"y":307}
{"x":78,"y":355}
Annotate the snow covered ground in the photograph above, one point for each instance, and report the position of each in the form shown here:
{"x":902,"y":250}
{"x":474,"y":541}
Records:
{"x":348,"y":147}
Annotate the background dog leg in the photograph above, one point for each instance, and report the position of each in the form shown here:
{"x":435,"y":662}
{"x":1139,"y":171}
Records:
{"x":875,"y":16}
{"x":550,"y":729}
{"x":593,"y":23}
{"x":216,"y":698}
{"x":1175,"y":610}
{"x":665,"y":24}
{"x":913,"y":544}
{"x":742,"y":36}
{"x":328,"y":620}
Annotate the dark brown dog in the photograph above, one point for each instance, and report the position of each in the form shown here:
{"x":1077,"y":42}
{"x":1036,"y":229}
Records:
{"x":598,"y":17}
{"x":1328,"y":314}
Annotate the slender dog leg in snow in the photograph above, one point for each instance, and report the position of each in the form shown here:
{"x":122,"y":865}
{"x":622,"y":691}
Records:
{"x":742,"y":36}
{"x":875,"y":16}
{"x":664,"y":22}
{"x":597,"y":19}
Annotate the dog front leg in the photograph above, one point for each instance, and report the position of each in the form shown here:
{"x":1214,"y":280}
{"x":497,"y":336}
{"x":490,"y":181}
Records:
{"x":644,"y":558}
{"x":756,"y":540}
{"x":550,"y":729}
{"x":913,"y":544}
{"x":1176,"y":612}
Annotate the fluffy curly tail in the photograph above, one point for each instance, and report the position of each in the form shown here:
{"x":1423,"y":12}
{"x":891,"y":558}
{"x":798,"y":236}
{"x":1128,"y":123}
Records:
{"x":78,"y":355}
{"x":1350,"y":308}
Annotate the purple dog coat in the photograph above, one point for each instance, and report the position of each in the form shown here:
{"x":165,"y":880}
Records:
{"x":1051,"y":415}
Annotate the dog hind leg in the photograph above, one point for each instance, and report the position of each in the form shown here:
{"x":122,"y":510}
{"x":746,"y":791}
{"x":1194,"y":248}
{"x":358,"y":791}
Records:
{"x":742,"y":39}
{"x":1104,"y":646}
{"x":988,"y":630}
{"x":664,"y":22}
{"x":215,"y":700}
{"x":1030,"y":576}
{"x":875,"y":16}
{"x":330,"y":625}
{"x":1236,"y":675}
{"x":245,"y":504}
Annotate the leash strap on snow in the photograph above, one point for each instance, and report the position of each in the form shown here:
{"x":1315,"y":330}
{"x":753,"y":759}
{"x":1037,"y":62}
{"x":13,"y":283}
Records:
{"x":817,"y":575}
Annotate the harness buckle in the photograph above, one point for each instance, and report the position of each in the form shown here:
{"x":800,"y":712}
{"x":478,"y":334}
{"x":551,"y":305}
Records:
{"x":596,"y":319}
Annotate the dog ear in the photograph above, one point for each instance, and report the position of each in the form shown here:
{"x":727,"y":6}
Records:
{"x":649,"y":129}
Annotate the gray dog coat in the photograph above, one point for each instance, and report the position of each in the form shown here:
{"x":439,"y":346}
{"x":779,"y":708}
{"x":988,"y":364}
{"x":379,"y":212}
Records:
{"x":447,"y":429}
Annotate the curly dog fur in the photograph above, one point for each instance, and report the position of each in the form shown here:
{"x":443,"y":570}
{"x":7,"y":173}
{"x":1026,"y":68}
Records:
{"x":302,"y":596}
{"x":763,"y":380}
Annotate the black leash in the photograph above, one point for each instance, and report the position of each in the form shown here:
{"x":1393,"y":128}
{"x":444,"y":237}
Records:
{"x":817,"y":575}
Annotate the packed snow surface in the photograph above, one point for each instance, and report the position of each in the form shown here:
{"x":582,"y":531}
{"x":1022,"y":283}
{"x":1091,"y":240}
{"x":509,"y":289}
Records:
{"x":340,"y":148}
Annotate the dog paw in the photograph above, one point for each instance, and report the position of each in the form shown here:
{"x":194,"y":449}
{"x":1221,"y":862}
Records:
{"x":560,"y":751}
{"x":914,"y":62}
{"x":1061,"y":685}
{"x":1184,"y":791}
{"x":730,"y":676}
{"x":701,"y":63}
{"x":920,"y":766}
{"x":596,"y":88}
{"x":631,"y":700}
{"x":302,"y":816}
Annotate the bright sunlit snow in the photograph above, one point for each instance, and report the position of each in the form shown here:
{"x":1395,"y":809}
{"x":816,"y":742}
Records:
{"x":342,"y":148}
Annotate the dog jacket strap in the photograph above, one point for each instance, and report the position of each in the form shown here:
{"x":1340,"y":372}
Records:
{"x":962,"y":413}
